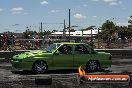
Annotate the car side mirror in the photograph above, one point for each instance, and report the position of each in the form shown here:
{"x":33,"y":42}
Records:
{"x":57,"y":53}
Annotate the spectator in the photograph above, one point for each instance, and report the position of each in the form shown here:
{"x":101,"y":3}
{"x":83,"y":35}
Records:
{"x":92,"y":44}
{"x":4,"y":40}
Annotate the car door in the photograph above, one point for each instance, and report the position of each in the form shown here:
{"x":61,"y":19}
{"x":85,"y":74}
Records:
{"x":64,"y":59}
{"x":81,"y":55}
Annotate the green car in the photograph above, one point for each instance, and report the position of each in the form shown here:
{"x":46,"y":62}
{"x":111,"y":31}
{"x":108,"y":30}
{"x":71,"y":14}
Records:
{"x":62,"y":56}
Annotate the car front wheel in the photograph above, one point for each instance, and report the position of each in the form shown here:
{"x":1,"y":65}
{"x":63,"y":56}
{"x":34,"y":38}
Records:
{"x":39,"y":67}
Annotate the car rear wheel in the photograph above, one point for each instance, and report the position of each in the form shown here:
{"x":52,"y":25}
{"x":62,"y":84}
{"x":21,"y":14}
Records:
{"x":40,"y":67}
{"x":93,"y":65}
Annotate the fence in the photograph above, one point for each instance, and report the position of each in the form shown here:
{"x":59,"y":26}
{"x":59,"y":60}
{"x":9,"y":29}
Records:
{"x":33,"y":44}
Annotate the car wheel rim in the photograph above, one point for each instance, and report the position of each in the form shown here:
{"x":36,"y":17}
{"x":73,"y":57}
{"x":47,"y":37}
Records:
{"x":93,"y":65}
{"x":40,"y":67}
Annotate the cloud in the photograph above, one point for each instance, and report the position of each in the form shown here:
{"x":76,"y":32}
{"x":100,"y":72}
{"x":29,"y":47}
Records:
{"x":1,"y":9}
{"x":94,"y":16}
{"x":85,"y":5}
{"x":25,"y":13}
{"x":17,"y":9}
{"x":120,"y":2}
{"x":18,"y":12}
{"x":44,"y":2}
{"x":113,"y":3}
{"x":95,"y":0}
{"x":79,"y":16}
{"x":55,"y":11}
{"x":109,"y":0}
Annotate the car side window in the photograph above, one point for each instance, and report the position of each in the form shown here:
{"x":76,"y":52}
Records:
{"x":81,"y":49}
{"x":65,"y":49}
{"x":91,"y":50}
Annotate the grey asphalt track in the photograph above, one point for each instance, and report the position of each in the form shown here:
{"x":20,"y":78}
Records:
{"x":61,"y":78}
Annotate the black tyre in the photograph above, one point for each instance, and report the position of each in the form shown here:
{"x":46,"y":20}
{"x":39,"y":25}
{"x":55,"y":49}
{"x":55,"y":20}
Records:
{"x":82,"y":80}
{"x":92,"y":66}
{"x":40,"y":67}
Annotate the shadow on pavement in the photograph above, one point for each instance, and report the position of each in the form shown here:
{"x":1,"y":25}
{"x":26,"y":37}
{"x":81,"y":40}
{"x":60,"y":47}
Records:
{"x":64,"y":71}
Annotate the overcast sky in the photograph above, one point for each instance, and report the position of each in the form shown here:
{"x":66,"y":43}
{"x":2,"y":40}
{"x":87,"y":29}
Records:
{"x":15,"y":15}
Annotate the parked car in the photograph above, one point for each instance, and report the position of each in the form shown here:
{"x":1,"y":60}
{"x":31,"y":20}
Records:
{"x":62,"y":56}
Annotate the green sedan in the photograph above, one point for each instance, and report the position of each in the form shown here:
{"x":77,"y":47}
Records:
{"x":62,"y":56}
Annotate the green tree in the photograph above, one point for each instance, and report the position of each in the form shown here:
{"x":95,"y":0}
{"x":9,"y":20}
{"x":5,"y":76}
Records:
{"x":130,"y":21}
{"x":46,"y":33}
{"x":108,"y":28}
{"x":72,"y":30}
{"x":54,"y":31}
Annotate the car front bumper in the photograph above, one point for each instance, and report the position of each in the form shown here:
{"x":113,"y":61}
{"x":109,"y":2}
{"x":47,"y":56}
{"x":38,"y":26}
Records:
{"x":20,"y":65}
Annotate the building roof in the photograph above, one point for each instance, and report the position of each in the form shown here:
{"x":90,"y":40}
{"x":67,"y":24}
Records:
{"x":77,"y":33}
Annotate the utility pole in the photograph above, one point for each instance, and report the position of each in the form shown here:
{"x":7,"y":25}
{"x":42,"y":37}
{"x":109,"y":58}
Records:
{"x":64,"y":29}
{"x":69,"y":23}
{"x":91,"y":35}
{"x":98,"y":38}
{"x":41,"y":27}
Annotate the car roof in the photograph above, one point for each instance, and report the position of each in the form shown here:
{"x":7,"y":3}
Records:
{"x":68,"y":43}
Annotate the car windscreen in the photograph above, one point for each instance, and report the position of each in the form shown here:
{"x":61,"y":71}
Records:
{"x":52,"y":47}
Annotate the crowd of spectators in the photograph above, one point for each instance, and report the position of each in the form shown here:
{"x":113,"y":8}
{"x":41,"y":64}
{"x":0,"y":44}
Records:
{"x":7,"y":41}
{"x":30,"y":44}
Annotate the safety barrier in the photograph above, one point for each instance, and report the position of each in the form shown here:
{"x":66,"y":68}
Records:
{"x":116,"y":53}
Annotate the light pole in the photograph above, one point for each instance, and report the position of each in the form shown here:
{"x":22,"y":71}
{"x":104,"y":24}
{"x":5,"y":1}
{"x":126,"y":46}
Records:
{"x":64,"y":29}
{"x":91,"y":32}
{"x":91,"y":35}
{"x":69,"y":23}
{"x":98,"y":37}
